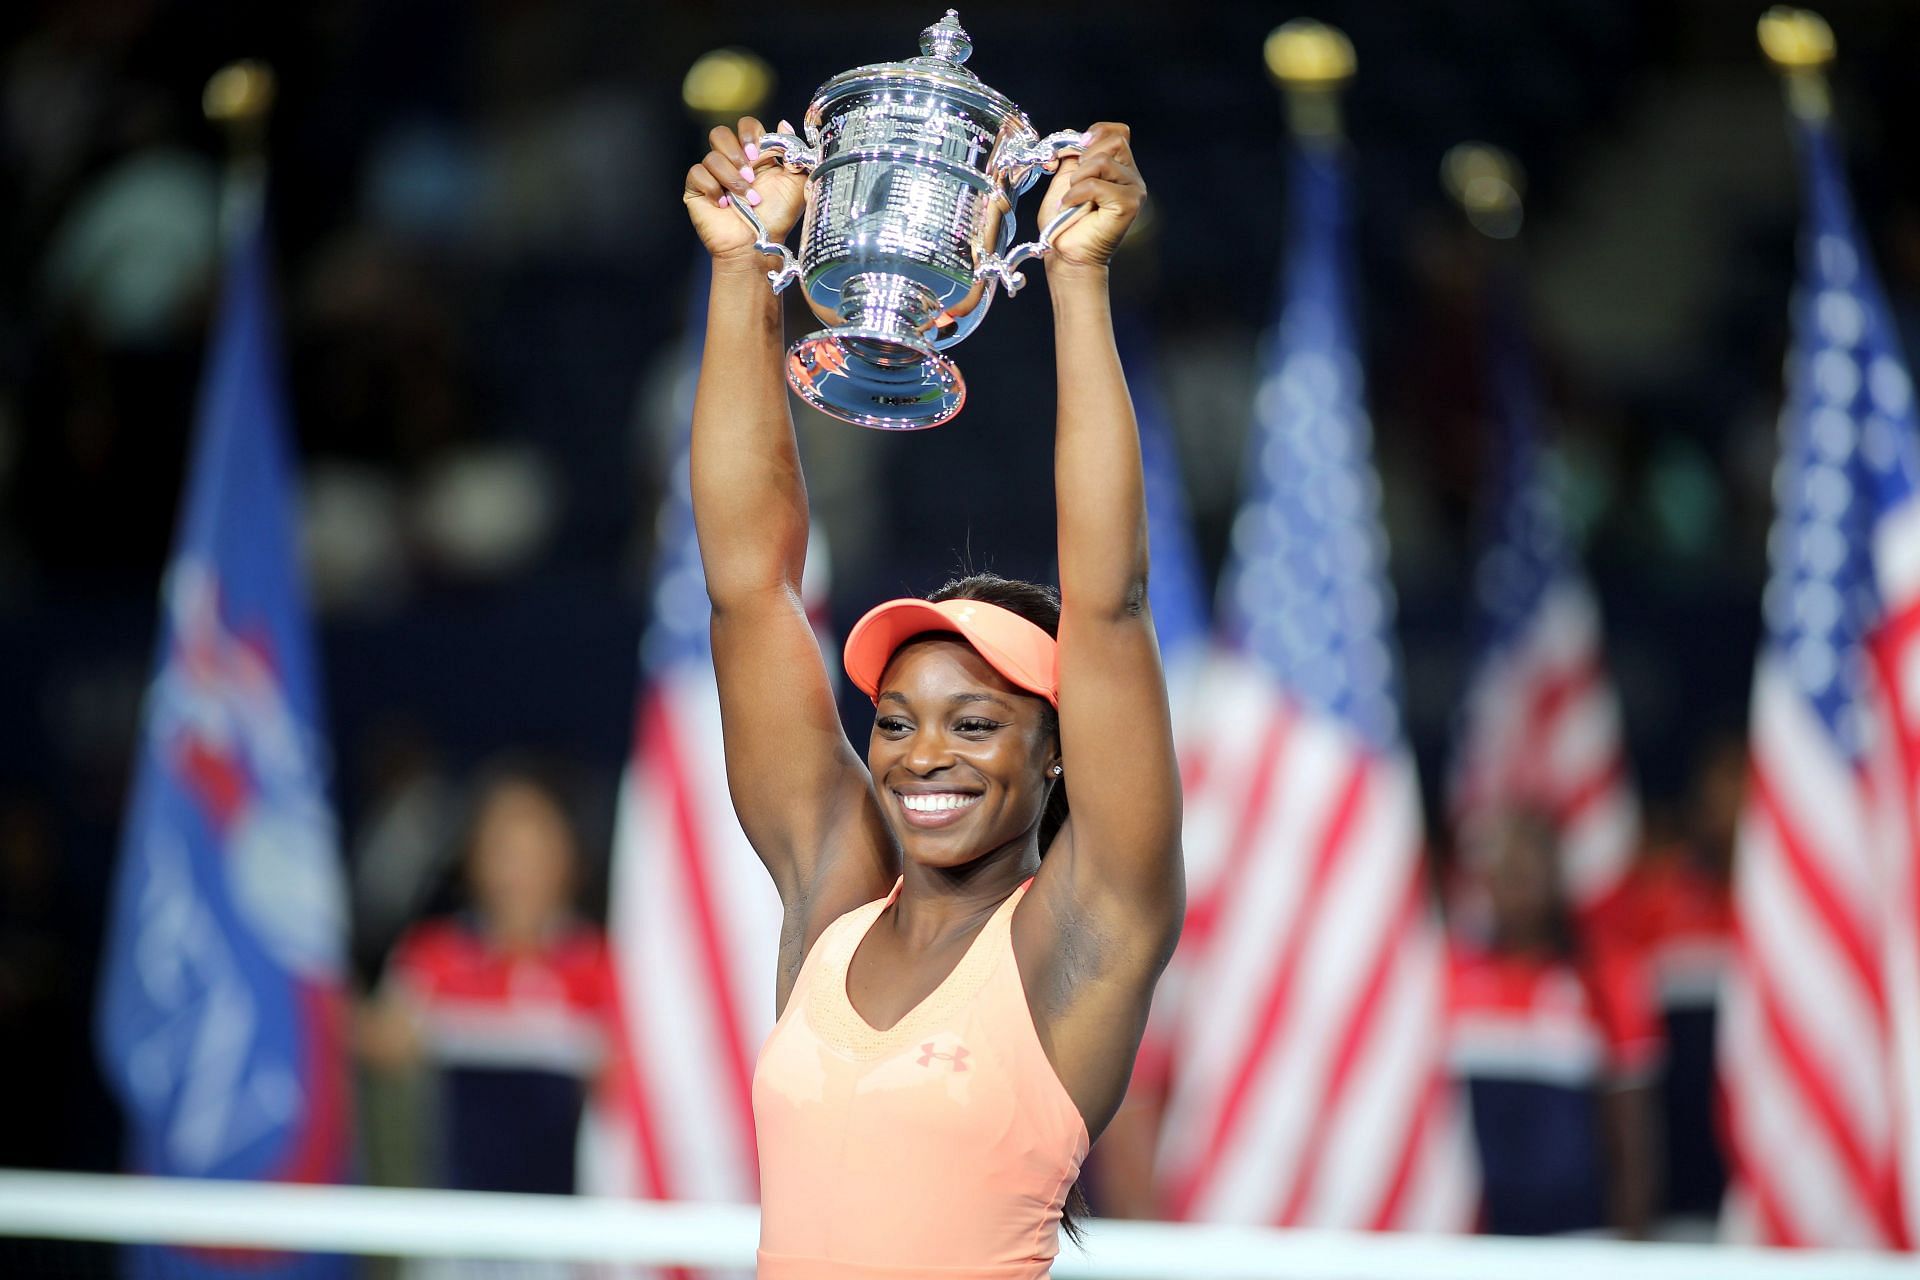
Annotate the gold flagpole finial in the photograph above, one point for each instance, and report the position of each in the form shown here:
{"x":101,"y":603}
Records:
{"x":1311,"y":62}
{"x":1799,"y":43}
{"x":724,"y":84}
{"x":1489,"y":185}
{"x":238,"y":99}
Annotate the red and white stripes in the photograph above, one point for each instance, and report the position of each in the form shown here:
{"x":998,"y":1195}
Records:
{"x":694,"y":925}
{"x":1820,"y":1039}
{"x":1307,"y":1084}
{"x":1542,"y":730}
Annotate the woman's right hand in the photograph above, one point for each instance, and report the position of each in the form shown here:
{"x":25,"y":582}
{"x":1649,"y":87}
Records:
{"x":735,"y":170}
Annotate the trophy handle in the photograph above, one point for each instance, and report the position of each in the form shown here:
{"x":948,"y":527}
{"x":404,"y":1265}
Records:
{"x":1005,"y":269}
{"x":798,"y":157}
{"x":1017,"y":168}
{"x":1020,"y":163}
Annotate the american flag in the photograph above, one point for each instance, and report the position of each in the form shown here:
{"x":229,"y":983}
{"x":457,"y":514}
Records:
{"x":1308,"y":1082}
{"x":1820,"y":1026}
{"x":694,"y":920}
{"x":1540,"y":724}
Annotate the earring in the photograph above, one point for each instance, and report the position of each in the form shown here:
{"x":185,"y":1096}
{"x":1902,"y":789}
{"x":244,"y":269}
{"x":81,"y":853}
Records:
{"x":1059,"y":769}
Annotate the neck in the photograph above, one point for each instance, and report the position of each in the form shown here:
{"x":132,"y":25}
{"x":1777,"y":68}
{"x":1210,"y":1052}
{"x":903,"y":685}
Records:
{"x":519,"y":933}
{"x":936,"y":902}
{"x":1525,"y":940}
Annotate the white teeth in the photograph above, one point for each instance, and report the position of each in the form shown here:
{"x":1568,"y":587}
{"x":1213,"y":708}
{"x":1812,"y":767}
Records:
{"x":937,"y":802}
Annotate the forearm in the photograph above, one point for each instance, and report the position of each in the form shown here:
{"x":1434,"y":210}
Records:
{"x":1100,"y":493}
{"x":1632,"y":1180}
{"x":749,"y":497}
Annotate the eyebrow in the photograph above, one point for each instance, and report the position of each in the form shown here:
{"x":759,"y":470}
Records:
{"x":958,"y":699}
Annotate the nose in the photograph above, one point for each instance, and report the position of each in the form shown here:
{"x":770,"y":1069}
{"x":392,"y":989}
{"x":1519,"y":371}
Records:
{"x":927,"y":750}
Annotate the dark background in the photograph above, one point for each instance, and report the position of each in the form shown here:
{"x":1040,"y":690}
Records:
{"x":485,"y":271}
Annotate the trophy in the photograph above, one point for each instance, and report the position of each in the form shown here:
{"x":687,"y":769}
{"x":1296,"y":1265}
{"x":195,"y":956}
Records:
{"x":913,"y":170}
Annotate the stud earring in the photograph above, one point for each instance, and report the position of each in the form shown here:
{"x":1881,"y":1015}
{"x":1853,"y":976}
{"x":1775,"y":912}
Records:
{"x":1058,"y":770}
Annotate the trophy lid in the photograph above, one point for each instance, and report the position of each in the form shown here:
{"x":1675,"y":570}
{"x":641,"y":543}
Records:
{"x":944,"y":47}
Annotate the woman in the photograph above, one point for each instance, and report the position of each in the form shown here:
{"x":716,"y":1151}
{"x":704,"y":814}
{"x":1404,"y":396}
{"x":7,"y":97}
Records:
{"x":1555,"y":1041}
{"x":962,"y":987}
{"x":511,"y":1000}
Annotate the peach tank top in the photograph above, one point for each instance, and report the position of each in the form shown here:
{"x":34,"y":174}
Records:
{"x":944,"y":1145}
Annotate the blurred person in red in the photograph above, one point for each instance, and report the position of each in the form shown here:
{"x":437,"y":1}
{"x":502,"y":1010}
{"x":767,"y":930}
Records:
{"x":1555,"y":1043}
{"x":1679,"y":905}
{"x":510,"y":1000}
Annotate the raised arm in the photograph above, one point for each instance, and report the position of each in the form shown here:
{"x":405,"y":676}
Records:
{"x":797,"y":786}
{"x":1122,"y":843}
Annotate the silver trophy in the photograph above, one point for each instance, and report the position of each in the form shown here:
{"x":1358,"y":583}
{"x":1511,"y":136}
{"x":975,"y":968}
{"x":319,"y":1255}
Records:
{"x":913,"y":171}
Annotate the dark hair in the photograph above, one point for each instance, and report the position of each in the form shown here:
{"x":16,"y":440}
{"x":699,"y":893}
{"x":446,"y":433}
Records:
{"x":1040,"y":605}
{"x":545,"y":778}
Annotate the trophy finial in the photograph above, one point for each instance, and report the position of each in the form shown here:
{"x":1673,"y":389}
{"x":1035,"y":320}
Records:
{"x":947,"y":40}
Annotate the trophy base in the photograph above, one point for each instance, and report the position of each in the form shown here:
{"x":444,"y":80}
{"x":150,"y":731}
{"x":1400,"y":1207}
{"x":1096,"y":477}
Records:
{"x":875,"y":377}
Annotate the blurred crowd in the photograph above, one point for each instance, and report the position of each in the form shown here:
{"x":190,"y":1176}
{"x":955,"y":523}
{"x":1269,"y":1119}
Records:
{"x":485,"y":281}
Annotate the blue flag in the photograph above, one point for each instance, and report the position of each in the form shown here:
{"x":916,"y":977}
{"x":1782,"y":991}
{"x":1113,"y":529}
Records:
{"x":220,"y":1014}
{"x":1305,"y":590}
{"x":1539,"y":726}
{"x":1176,"y":587}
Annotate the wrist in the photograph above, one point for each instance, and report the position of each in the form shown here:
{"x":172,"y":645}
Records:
{"x":740,"y":264}
{"x":1062,"y":274}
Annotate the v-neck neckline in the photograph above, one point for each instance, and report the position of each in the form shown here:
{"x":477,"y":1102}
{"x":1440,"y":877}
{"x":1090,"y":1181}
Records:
{"x":939,"y":988}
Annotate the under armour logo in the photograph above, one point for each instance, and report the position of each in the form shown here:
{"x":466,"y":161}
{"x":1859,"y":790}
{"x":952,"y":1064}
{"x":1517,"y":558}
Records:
{"x":958,"y":1057}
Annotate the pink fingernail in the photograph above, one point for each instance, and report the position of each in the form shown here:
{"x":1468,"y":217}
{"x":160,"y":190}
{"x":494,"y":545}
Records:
{"x":753,"y":197}
{"x":753,"y":153}
{"x":785,"y":127}
{"x":746,"y":173}
{"x":725,"y":201}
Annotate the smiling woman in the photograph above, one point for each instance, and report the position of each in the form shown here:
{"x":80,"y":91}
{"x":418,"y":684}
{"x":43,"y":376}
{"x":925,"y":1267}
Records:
{"x":965,"y":969}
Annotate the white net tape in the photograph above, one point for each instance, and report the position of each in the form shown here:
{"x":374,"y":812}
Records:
{"x":385,"y":1222}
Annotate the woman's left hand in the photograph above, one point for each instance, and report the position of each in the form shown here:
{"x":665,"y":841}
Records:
{"x":1103,"y":177}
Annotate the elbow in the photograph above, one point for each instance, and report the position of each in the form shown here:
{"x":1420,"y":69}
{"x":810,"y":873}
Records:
{"x":1172,"y":916}
{"x":1122,"y":600}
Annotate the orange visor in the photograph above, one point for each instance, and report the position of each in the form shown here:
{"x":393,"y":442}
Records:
{"x":1022,"y":652}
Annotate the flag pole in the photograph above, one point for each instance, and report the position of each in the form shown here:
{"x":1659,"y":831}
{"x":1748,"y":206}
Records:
{"x":1311,"y":63}
{"x":238,"y":101}
{"x":1799,"y":44}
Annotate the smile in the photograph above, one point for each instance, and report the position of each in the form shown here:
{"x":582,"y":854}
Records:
{"x":936,"y":808}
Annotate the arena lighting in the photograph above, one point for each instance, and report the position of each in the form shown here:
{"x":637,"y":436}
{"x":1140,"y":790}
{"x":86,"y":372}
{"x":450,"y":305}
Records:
{"x":1488,"y":184}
